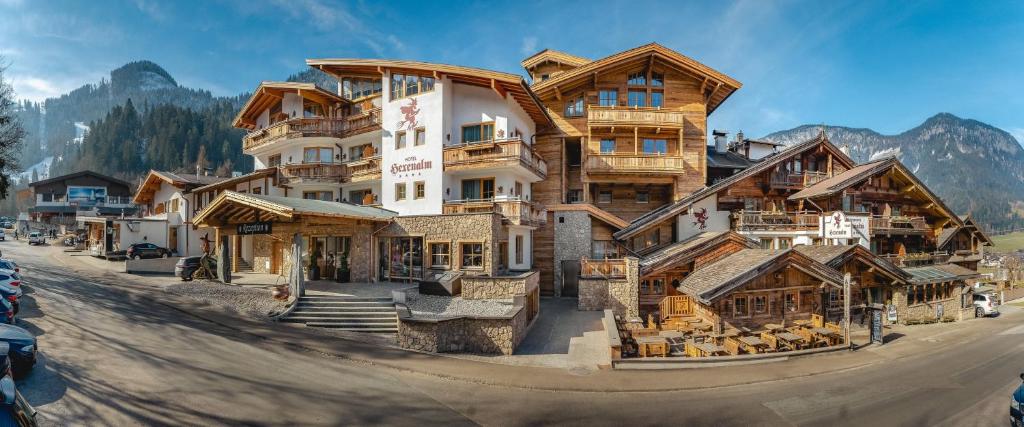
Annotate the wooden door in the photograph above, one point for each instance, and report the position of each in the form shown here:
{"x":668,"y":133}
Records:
{"x":276,"y":257}
{"x":570,"y":278}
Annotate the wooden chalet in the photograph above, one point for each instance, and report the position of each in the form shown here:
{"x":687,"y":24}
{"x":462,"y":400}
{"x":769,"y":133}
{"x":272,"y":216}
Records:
{"x":965,"y":244}
{"x":875,"y":280}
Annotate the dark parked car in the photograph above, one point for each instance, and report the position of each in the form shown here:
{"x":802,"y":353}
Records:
{"x":22,"y":347}
{"x":14,"y":409}
{"x":186,"y":266}
{"x":6,"y":264}
{"x":146,"y":250}
{"x":1017,"y":405}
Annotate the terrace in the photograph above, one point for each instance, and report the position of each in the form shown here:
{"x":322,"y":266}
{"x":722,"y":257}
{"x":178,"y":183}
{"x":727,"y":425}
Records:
{"x":495,"y":153}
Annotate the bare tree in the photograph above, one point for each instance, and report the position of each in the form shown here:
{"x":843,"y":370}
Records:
{"x":11,"y":132}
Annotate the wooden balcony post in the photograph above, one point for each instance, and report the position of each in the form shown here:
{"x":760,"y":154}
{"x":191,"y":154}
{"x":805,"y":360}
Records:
{"x":636,"y":140}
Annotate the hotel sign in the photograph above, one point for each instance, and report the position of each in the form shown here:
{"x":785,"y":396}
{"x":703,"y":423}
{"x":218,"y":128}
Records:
{"x":840,"y":225}
{"x":411,"y":164}
{"x":250,"y":228}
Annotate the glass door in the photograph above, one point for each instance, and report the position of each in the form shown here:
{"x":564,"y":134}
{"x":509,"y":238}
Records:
{"x":405,"y":258}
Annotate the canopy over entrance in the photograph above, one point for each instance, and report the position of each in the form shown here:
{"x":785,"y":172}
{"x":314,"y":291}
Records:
{"x":237,"y":208}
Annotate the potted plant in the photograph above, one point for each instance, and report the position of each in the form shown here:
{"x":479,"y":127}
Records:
{"x":343,"y":273}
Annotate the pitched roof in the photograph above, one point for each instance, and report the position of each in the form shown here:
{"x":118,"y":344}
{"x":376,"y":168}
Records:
{"x":658,"y":215}
{"x":78,"y":174}
{"x":287,"y":208}
{"x":940,"y":273}
{"x":186,"y":181}
{"x":231,"y":182}
{"x":718,"y":279}
{"x":553,"y":55}
{"x":728,"y":159}
{"x":717,"y":79}
{"x":688,"y":249}
{"x":836,"y":256}
{"x":268,"y":93}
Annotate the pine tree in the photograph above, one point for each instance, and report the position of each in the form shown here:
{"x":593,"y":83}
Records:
{"x":11,"y":132}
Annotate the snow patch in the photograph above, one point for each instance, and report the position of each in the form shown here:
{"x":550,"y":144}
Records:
{"x":42,"y":168}
{"x":80,"y":130}
{"x":888,"y":152}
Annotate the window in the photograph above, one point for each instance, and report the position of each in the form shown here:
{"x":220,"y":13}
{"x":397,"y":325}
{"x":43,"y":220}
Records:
{"x":608,"y":98}
{"x":519,"y":249}
{"x":605,"y":249}
{"x":412,"y":85}
{"x":518,"y":190}
{"x":643,"y":197}
{"x":785,"y":242}
{"x":473,"y":255}
{"x":740,"y":306}
{"x":312,"y":109}
{"x":751,"y":204}
{"x":655,"y":146}
{"x":574,"y":107}
{"x":604,"y":196}
{"x":257,"y":190}
{"x":174,"y":205}
{"x":657,"y":99}
{"x":766,"y":243}
{"x":400,"y":141}
{"x":791,"y":303}
{"x":607,"y":146}
{"x":638,"y":78}
{"x":408,"y":85}
{"x":502,"y":255}
{"x":318,"y":195}
{"x":440,"y":255}
{"x":419,"y":190}
{"x":400,"y":191}
{"x":397,"y":83}
{"x":657,"y":79}
{"x":544,"y":77}
{"x":274,"y":161}
{"x":574,"y":196}
{"x":317,"y":155}
{"x":652,"y":287}
{"x":355,"y":88}
{"x":637,"y":98}
{"x":759,"y":304}
{"x":478,"y":189}
{"x":478,"y":132}
{"x":421,"y":137}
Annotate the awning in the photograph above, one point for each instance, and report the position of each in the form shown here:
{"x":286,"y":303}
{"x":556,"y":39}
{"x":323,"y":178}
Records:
{"x":940,"y":274}
{"x":231,"y":207}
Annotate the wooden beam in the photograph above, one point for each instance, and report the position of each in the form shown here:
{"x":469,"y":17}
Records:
{"x":498,"y":89}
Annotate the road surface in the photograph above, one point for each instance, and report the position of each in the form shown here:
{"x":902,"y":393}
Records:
{"x":117,"y":357}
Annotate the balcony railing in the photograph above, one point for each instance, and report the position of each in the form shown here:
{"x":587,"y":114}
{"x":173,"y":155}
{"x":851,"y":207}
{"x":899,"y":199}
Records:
{"x":634,"y":116}
{"x":332,"y":173}
{"x":109,"y":201}
{"x":780,"y":221}
{"x":488,"y":154}
{"x":797,"y":180}
{"x":517,"y":212}
{"x":898,"y":225}
{"x":603,"y":268}
{"x":915,"y":259}
{"x":313,"y":127}
{"x":635,"y":163}
{"x":364,"y":169}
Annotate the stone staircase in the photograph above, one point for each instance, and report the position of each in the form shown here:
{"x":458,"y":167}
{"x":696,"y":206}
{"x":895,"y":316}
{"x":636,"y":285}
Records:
{"x":243,"y":266}
{"x":357,"y":314}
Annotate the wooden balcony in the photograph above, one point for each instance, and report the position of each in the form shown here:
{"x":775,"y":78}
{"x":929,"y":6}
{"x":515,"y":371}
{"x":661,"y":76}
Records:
{"x":915,"y":259}
{"x":495,"y":153}
{"x":365,"y":169}
{"x":516,"y":212}
{"x":307,"y":173}
{"x":899,"y":225}
{"x":797,"y":181}
{"x":640,"y":164}
{"x":313,"y":127}
{"x":675,"y":306}
{"x":775,"y":221}
{"x":603,"y":268}
{"x":629,"y":117}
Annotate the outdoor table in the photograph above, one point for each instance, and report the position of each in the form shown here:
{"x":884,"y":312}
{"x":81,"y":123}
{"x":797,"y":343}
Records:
{"x":829,"y":335}
{"x":802,"y":322}
{"x":672,"y":334}
{"x":708,"y":349}
{"x":652,"y":346}
{"x":773,"y":327}
{"x":790,"y":339}
{"x":752,"y":344}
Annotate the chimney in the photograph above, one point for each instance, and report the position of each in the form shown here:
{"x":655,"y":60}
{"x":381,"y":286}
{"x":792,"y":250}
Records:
{"x":721,"y":140}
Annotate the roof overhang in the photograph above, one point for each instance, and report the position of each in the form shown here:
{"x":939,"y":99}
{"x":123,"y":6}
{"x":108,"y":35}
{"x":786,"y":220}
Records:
{"x":548,"y":55}
{"x":234,"y":208}
{"x":786,"y":259}
{"x":269,"y":93}
{"x":671,"y":256}
{"x":233,"y":182}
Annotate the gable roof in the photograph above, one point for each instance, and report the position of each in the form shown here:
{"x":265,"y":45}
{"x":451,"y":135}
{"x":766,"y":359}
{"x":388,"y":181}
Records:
{"x":716,"y":280}
{"x":231,"y":182}
{"x":968,"y":221}
{"x":554,"y":56}
{"x":665,"y":212}
{"x":502,"y":83}
{"x":728,"y":159}
{"x":686,"y":250}
{"x":860,"y":173}
{"x":722,"y":85}
{"x":285,"y":208}
{"x":269,"y":92}
{"x":836,"y":256}
{"x":78,"y":174}
{"x":184,"y":181}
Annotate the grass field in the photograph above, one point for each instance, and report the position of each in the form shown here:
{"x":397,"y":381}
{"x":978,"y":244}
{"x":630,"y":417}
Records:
{"x":1009,"y":242}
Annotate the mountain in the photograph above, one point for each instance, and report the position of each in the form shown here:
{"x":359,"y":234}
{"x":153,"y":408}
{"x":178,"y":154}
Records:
{"x":974,"y":167}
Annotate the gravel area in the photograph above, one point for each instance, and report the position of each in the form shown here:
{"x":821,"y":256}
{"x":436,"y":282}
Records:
{"x":432,"y":306}
{"x":254,"y":302}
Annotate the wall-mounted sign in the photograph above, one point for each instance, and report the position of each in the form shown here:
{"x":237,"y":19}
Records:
{"x":87,"y":196}
{"x":409,"y":112}
{"x":836,"y":226}
{"x":249,"y":228}
{"x":411,"y":164}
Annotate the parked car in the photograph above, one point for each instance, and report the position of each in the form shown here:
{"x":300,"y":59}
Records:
{"x":2,"y":236}
{"x":22,"y":348}
{"x":1017,"y":405}
{"x":36,"y":238}
{"x":7,"y":264}
{"x":10,"y":288}
{"x":186,"y":266}
{"x":14,"y":409}
{"x":6,"y":311}
{"x":985,"y":305}
{"x":6,"y":224}
{"x":146,"y":250}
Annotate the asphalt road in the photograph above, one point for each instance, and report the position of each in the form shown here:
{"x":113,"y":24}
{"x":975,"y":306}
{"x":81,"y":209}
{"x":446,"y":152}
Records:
{"x":111,"y":357}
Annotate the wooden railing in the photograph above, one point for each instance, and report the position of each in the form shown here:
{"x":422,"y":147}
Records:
{"x":603,"y":268}
{"x":899,"y":225}
{"x":487,"y":153}
{"x":313,"y":126}
{"x":634,"y":116}
{"x":518,"y":212}
{"x":762,"y":220}
{"x":313,"y":172}
{"x":364,"y":169}
{"x":675,"y":306}
{"x":797,"y":180}
{"x":635,"y":163}
{"x":914,"y":259}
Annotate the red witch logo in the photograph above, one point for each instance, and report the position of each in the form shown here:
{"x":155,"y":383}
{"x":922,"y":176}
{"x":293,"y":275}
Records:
{"x":409,"y":111}
{"x":837,"y":219}
{"x":701,"y":218}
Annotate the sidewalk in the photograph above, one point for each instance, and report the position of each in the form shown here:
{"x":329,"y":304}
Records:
{"x":916,"y":341}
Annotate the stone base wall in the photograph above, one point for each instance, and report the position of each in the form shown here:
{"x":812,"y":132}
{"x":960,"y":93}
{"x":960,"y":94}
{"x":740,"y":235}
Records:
{"x":593,"y":294}
{"x":261,"y":247}
{"x":359,"y":252}
{"x":464,"y":334}
{"x":454,"y":229}
{"x":500,"y":287}
{"x":621,"y":295}
{"x":951,"y":308}
{"x":572,"y":241}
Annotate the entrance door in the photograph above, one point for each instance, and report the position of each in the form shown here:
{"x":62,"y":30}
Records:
{"x":570,"y":278}
{"x":276,"y":257}
{"x":172,"y":239}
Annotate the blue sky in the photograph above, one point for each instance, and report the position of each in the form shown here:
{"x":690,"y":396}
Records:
{"x":886,"y":66}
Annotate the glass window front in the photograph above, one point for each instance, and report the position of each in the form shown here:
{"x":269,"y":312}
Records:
{"x":472,"y":255}
{"x":608,"y":98}
{"x":638,"y":78}
{"x":440,"y":255}
{"x":607,"y":146}
{"x":655,"y":146}
{"x":637,"y":98}
{"x":657,"y":99}
{"x":478,"y":189}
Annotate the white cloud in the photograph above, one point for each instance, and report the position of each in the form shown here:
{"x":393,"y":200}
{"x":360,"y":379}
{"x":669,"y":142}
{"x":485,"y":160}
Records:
{"x":529,"y":46}
{"x":1017,"y":133}
{"x":154,"y":9}
{"x":38,"y":89}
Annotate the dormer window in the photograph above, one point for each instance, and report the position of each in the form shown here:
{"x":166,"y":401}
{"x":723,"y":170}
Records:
{"x":657,"y":79}
{"x":544,"y":77}
{"x":638,"y":78}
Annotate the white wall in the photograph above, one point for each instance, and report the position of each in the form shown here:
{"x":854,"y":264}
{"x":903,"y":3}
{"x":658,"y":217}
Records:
{"x":154,"y":232}
{"x":473,"y":104}
{"x":716,"y":220}
{"x":504,"y":184}
{"x":430,"y":116}
{"x":527,"y":248}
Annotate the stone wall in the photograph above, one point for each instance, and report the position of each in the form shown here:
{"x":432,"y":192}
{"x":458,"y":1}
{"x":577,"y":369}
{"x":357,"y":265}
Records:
{"x":593,"y":294}
{"x":464,"y":334}
{"x":621,"y":295}
{"x":572,"y":241}
{"x":453,"y":229}
{"x":926,"y":311}
{"x":500,"y":287}
{"x":359,"y":252}
{"x":261,"y":246}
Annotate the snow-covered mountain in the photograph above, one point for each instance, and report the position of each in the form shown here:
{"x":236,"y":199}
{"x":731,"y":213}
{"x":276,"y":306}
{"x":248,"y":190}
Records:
{"x":42,"y":169}
{"x":975,"y":167}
